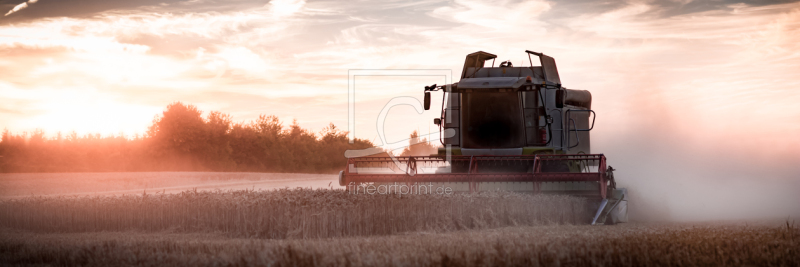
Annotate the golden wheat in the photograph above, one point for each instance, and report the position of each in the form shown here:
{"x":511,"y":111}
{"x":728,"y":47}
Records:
{"x":304,"y":227}
{"x":708,"y":244}
{"x":297,"y":213}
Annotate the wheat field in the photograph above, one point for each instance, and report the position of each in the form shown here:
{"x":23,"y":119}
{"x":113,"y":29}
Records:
{"x":637,"y":244}
{"x":290,"y":213}
{"x":304,"y":227}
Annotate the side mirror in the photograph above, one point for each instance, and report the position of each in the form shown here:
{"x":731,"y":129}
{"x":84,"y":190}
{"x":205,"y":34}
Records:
{"x":427,"y":100}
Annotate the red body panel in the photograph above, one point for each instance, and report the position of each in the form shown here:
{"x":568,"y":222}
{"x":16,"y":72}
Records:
{"x":472,"y":174}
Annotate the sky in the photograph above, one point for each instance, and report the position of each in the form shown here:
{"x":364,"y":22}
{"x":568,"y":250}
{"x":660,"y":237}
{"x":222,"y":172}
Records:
{"x":686,"y":88}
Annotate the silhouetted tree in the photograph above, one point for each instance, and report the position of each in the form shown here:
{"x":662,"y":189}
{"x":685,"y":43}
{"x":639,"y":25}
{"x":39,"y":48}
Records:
{"x":218,"y":149}
{"x":179,"y":136}
{"x":418,"y":147}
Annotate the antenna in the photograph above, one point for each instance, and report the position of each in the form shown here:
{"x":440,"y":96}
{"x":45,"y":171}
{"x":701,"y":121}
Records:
{"x":529,"y":58}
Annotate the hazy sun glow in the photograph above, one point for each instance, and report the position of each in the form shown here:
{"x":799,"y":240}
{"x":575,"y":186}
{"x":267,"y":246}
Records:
{"x":715,"y":70}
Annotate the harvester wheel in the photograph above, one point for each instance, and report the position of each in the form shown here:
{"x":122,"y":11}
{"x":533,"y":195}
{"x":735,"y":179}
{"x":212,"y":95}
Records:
{"x":609,"y":221}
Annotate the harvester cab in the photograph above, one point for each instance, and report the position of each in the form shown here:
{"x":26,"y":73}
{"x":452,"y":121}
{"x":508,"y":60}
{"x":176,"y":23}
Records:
{"x":507,"y":128}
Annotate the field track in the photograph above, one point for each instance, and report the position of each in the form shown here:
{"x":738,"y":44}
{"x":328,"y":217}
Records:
{"x":90,"y":184}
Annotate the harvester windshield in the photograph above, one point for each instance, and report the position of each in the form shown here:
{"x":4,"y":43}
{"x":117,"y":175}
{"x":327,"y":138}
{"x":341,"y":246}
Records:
{"x":492,"y":120}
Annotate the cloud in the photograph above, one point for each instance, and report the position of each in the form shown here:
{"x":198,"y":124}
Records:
{"x":499,"y":15}
{"x":19,"y":7}
{"x":285,"y":8}
{"x":86,"y":9}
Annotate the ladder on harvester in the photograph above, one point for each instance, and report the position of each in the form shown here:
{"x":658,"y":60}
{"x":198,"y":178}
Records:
{"x":608,"y":206}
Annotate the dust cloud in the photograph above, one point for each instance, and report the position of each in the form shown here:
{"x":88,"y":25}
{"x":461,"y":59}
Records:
{"x":678,"y":183}
{"x":676,"y":168}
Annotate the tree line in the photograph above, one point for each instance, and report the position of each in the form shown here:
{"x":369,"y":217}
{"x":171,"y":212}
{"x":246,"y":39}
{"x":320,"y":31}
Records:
{"x":181,"y":139}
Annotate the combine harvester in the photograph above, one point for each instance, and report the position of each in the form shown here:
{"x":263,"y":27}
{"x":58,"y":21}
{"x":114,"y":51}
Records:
{"x":507,"y":128}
